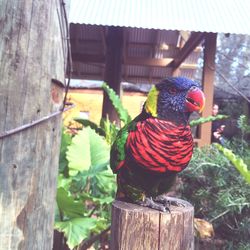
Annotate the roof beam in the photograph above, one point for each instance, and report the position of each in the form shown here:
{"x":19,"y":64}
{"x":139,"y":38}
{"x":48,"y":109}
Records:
{"x":194,"y":40}
{"x":88,"y":58}
{"x":138,"y":61}
{"x":151,"y":62}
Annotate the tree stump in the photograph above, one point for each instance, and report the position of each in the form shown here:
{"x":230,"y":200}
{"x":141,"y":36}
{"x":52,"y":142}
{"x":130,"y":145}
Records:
{"x":138,"y":228}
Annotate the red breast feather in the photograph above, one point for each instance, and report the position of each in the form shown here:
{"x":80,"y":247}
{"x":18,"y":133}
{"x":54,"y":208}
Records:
{"x":160,"y":146}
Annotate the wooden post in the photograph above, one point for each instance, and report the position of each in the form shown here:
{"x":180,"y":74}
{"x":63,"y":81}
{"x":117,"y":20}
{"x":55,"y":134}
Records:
{"x":136,"y":227}
{"x":32,"y":52}
{"x":113,"y":68}
{"x":208,"y":86}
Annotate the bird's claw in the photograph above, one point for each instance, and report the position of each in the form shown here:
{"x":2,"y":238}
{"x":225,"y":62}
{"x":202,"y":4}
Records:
{"x":166,"y":201}
{"x":149,"y":202}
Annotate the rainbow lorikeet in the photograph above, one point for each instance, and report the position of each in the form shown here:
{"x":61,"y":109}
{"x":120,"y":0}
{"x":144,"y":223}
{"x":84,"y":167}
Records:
{"x":150,"y":150}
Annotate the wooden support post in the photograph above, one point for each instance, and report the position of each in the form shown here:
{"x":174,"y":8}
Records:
{"x":136,"y":227}
{"x":113,"y":68}
{"x":32,"y":52}
{"x":208,"y":86}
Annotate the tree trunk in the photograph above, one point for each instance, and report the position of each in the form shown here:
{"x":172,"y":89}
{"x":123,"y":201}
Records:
{"x":136,"y":227}
{"x":32,"y":52}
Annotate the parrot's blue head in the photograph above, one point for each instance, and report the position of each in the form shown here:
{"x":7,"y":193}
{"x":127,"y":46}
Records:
{"x":175,"y":98}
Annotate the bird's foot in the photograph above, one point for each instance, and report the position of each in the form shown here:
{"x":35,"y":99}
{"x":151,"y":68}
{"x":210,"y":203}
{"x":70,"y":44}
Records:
{"x":168,"y":201}
{"x":149,"y":202}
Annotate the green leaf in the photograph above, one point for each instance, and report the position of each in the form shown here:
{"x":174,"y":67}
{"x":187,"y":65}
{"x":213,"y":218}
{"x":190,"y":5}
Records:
{"x":99,"y":149}
{"x":116,"y":101}
{"x":207,"y":119}
{"x":67,"y":205}
{"x":63,"y":182}
{"x":91,"y":124}
{"x":98,"y":200}
{"x":65,"y":142}
{"x":78,"y":153}
{"x":87,"y":148}
{"x":76,"y":230}
{"x":110,"y":129}
{"x":236,"y":161}
{"x":106,"y":181}
{"x":79,"y":181}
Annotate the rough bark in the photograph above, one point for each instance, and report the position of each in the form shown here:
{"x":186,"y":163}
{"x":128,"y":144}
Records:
{"x":32,"y":52}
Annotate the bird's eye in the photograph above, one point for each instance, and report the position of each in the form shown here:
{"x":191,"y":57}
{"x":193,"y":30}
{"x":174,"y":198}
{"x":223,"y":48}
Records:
{"x":172,"y":90}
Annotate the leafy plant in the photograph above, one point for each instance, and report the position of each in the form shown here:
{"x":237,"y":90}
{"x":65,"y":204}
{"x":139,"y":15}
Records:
{"x":86,"y":187}
{"x":116,"y":101}
{"x":219,"y":194}
{"x":236,"y":161}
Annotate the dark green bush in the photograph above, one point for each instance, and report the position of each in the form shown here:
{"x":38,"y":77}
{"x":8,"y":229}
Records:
{"x":219,"y":194}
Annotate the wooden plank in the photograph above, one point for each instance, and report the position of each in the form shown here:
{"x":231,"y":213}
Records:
{"x":140,"y":228}
{"x":208,"y":86}
{"x":31,"y":54}
{"x":194,"y":40}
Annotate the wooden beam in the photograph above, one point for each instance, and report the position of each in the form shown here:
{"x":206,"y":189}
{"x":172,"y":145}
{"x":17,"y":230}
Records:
{"x":194,"y":40}
{"x":208,"y":86}
{"x":88,"y":58}
{"x":129,"y":78}
{"x":126,"y":51}
{"x":154,"y":51}
{"x":151,"y":62}
{"x":113,"y":68}
{"x":139,"y":61}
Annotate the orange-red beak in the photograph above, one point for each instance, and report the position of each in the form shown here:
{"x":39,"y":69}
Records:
{"x":195,"y":100}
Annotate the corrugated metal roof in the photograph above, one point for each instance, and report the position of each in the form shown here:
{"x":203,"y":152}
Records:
{"x":140,"y":44}
{"x":222,"y":16}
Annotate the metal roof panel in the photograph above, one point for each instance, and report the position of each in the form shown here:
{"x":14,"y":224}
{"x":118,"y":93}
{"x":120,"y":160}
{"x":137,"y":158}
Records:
{"x":223,"y":16}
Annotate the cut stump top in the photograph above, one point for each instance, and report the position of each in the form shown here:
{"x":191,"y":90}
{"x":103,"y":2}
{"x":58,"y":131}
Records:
{"x":141,"y":228}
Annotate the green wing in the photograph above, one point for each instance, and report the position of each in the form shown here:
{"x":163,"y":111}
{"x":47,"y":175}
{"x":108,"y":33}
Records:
{"x":118,"y":149}
{"x":118,"y":154}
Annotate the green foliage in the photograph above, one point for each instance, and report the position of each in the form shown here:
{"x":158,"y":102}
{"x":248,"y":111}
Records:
{"x":219,"y":194}
{"x":87,"y":149}
{"x":65,"y":141}
{"x":116,"y":101}
{"x":236,"y":161}
{"x":243,"y":125}
{"x":76,"y":229}
{"x":91,"y":124}
{"x":207,"y":119}
{"x":86,"y":187}
{"x":110,"y":129}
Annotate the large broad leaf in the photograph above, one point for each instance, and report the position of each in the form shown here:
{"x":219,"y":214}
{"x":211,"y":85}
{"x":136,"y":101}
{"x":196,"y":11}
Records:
{"x":99,"y":149}
{"x":67,"y":205}
{"x":87,"y":148}
{"x":76,"y":230}
{"x":78,"y":154}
